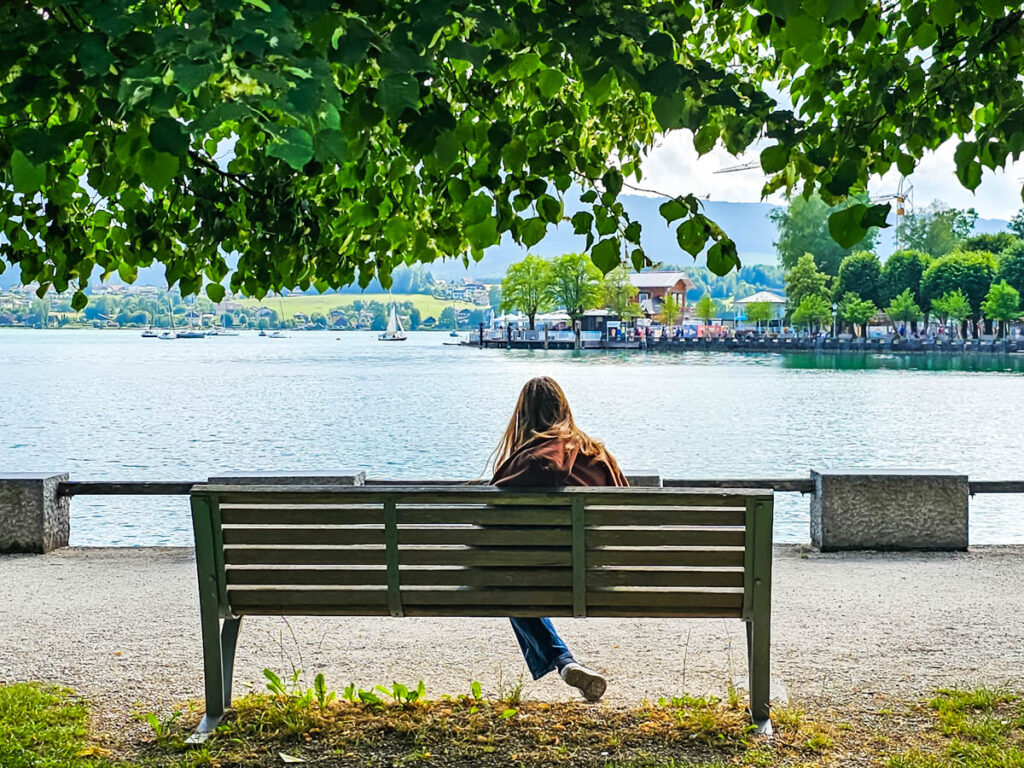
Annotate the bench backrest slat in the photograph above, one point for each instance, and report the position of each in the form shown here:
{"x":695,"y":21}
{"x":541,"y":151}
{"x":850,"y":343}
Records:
{"x":478,"y":550}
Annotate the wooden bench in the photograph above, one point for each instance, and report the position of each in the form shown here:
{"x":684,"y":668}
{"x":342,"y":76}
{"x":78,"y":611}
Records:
{"x":479,"y":551}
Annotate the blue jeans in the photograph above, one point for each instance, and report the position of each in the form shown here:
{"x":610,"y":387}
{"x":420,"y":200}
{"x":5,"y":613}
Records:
{"x":542,"y":648}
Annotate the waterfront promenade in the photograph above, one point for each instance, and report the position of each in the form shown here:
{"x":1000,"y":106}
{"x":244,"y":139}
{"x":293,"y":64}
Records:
{"x":121,"y":626}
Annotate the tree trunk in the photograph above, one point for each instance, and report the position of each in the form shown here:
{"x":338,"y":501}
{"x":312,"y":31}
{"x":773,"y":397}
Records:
{"x":532,"y":316}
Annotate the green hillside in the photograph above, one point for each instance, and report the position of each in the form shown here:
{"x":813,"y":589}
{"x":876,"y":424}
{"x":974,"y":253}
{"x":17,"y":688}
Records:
{"x":429,"y":306}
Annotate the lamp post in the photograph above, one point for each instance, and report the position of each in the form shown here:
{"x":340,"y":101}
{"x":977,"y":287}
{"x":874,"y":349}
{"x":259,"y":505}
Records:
{"x":835,"y":320}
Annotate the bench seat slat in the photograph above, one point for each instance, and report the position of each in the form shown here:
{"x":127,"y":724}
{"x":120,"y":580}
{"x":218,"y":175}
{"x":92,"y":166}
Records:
{"x":665,"y":536}
{"x":641,"y":516}
{"x":370,"y":555}
{"x":438,"y":535}
{"x":423,"y":576}
{"x":599,"y":578}
{"x":667,"y":556}
{"x":479,"y":514}
{"x":295,"y":514}
{"x":633,"y":497}
{"x":666,"y":596}
{"x":253,"y":596}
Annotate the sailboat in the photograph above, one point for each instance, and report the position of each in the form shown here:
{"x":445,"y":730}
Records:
{"x":394,"y":330}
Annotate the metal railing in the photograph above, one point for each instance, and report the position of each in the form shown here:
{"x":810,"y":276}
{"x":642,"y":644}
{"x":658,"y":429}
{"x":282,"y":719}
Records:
{"x":780,"y":485}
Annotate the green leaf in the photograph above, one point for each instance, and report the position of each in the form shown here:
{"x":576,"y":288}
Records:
{"x":606,"y":254}
{"x":671,"y":210}
{"x":943,"y":12}
{"x":582,"y":222}
{"x":968,"y":169}
{"x":93,"y":55}
{"x":550,"y":82}
{"x":157,"y":169}
{"x":28,"y":177}
{"x":458,"y":190}
{"x":362,"y":214}
{"x":774,"y":159}
{"x":397,"y":93}
{"x":78,"y":301}
{"x":331,"y":145}
{"x":705,"y":138}
{"x":549,"y":208}
{"x":692,"y":235}
{"x":476,"y":209}
{"x":188,"y":76}
{"x":601,"y":90}
{"x":37,"y":146}
{"x":258,"y":4}
{"x":532,"y":231}
{"x":216,"y":292}
{"x":669,"y":111}
{"x":845,"y":225}
{"x":722,"y":257}
{"x":484,"y":234}
{"x":525,"y":65}
{"x":294,"y":146}
{"x":166,"y":135}
{"x":612,"y":181}
{"x":876,"y":216}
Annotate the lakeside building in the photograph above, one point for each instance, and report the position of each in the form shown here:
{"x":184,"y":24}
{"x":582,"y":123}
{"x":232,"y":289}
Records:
{"x":778,"y":304}
{"x":653,"y":287}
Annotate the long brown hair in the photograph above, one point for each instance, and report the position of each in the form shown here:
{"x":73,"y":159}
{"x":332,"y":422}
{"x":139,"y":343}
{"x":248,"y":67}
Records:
{"x":542,"y":411}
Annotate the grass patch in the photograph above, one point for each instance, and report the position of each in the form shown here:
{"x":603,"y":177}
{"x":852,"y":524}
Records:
{"x":47,"y":727}
{"x":982,"y":728}
{"x":44,"y":727}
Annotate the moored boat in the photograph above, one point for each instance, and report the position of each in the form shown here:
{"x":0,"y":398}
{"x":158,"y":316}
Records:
{"x":394,"y":331}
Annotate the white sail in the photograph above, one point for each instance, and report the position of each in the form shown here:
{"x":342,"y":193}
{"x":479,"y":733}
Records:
{"x":393,"y":324}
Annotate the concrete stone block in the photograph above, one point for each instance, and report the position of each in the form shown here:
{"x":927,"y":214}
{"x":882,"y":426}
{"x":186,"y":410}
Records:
{"x":33,"y":518}
{"x":889,"y":510}
{"x":642,"y":478}
{"x":325,"y":477}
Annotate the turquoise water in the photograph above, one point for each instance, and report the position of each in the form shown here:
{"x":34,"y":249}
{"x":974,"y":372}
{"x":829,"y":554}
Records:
{"x":112,"y":405}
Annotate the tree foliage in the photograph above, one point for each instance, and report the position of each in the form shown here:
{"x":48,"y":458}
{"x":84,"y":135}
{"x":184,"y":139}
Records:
{"x":705,"y":309}
{"x":969,"y":271}
{"x":853,"y":309}
{"x":574,"y":284}
{"x":1002,"y":304}
{"x":813,"y":310}
{"x":1011,"y":266}
{"x":860,"y":273}
{"x":953,"y":305}
{"x":526,"y":287}
{"x":995,"y":243}
{"x":803,"y":227}
{"x":618,"y":294}
{"x":803,"y":280}
{"x":1016,"y":224}
{"x":938,"y":229}
{"x":671,"y":308}
{"x":902,"y":271}
{"x":903,"y":308}
{"x":327,"y":143}
{"x":760,"y":312}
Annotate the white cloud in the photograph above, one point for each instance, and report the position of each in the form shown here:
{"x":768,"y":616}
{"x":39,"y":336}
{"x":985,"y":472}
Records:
{"x":675,"y":168}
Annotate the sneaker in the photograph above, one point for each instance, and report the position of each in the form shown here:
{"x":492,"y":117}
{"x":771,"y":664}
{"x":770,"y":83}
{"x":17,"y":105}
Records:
{"x":591,"y":684}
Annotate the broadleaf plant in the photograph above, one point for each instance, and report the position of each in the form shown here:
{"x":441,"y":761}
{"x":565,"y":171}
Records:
{"x":328,"y":143}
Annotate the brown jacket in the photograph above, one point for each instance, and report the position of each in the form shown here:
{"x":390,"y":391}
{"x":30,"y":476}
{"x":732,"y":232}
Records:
{"x":550,"y":463}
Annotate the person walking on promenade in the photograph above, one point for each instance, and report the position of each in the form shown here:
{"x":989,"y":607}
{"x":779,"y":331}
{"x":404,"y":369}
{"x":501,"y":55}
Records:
{"x":543,"y":448}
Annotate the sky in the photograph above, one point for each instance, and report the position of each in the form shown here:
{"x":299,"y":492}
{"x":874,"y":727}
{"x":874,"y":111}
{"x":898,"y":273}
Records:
{"x":674,"y":167}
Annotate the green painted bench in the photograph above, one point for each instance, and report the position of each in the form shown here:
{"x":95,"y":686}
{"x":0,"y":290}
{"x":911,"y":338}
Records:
{"x":479,"y":551}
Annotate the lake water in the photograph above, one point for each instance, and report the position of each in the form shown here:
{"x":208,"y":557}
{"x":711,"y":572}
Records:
{"x":110,"y":405}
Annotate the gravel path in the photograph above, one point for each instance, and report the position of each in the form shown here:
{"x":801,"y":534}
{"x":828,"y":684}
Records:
{"x":121,"y":627}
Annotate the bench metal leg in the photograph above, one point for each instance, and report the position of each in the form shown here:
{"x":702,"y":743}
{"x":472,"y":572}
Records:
{"x":218,"y":666}
{"x":758,"y":666}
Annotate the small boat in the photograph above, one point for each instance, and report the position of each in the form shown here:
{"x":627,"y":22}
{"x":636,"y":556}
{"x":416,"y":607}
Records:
{"x":263,"y":333}
{"x":149,"y":333}
{"x":276,"y":335}
{"x":454,"y":334}
{"x":191,"y":334}
{"x":166,"y":335}
{"x":394,"y":330}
